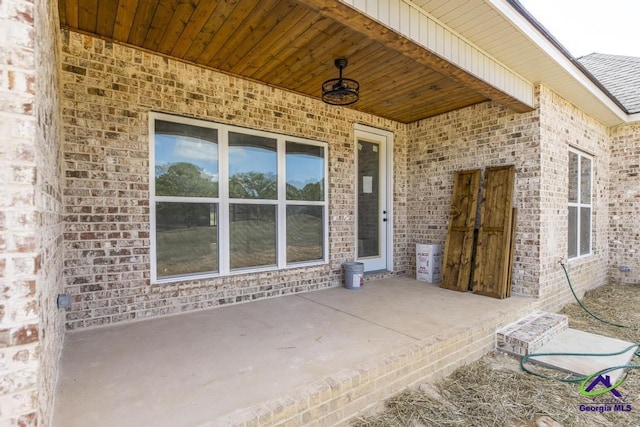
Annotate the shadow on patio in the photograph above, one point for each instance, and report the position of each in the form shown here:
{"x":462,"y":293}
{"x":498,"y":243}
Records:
{"x":314,"y":358}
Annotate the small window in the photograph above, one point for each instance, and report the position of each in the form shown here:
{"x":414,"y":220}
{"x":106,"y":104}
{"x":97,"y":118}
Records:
{"x":579,"y":204}
{"x":227,"y":199}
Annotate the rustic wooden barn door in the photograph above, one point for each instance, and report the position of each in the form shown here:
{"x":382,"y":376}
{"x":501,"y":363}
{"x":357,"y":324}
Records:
{"x":458,"y":247}
{"x":493,"y":251}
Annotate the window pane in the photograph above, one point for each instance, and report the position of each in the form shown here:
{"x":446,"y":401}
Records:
{"x":585,"y":180}
{"x":368,"y":199}
{"x":186,"y":160}
{"x":573,"y":232}
{"x":305,"y":234}
{"x":585,"y":231}
{"x":186,"y":238}
{"x":573,"y":177}
{"x":252,"y":235}
{"x":253,"y":167}
{"x":305,"y":172}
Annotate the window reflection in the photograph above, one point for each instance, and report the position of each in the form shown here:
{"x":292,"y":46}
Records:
{"x":186,"y":160}
{"x":305,"y":233}
{"x":253,"y":167}
{"x":186,"y":238}
{"x":585,"y":180}
{"x":573,"y":177}
{"x":305,"y":172}
{"x":252,"y":235}
{"x":585,"y":230}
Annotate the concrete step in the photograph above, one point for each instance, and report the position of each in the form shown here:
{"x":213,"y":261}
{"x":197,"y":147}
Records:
{"x":530,"y":333}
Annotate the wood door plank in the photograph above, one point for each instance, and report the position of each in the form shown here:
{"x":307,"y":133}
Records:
{"x":458,"y":248}
{"x":494,"y":237}
{"x":512,"y":251}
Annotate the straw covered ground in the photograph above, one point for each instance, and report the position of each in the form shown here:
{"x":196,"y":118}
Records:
{"x":495,"y":392}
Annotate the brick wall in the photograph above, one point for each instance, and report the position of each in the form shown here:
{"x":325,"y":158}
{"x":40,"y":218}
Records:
{"x":48,"y":199}
{"x":30,"y":211}
{"x":624,"y":205}
{"x":107,"y":93}
{"x":108,"y":90}
{"x":474,"y":138}
{"x":562,"y":125}
{"x":537,"y":144}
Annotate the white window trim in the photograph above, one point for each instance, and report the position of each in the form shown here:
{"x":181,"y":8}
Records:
{"x":579,"y":204}
{"x":224,"y":201}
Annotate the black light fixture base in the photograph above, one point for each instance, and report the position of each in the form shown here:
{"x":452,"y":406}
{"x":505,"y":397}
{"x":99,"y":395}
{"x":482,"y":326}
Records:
{"x":341,"y":63}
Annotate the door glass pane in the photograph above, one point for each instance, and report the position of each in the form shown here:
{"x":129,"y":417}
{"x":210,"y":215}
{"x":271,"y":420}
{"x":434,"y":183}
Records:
{"x":252,"y":235}
{"x":305,"y":233}
{"x":585,"y":180}
{"x":573,"y":231}
{"x":573,"y":177}
{"x":368,"y":199}
{"x":186,"y":238}
{"x":253,"y":167}
{"x":585,"y":230}
{"x":186,"y":160}
{"x":305,"y":172}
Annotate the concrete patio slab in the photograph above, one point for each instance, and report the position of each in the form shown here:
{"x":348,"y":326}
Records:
{"x":289,"y":360}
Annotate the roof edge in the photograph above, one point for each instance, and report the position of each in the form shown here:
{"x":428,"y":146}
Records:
{"x":546,"y":34}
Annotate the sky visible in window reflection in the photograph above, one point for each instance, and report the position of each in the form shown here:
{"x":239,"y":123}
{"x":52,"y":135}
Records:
{"x":176,"y":149}
{"x":302,"y":168}
{"x":252,"y":159}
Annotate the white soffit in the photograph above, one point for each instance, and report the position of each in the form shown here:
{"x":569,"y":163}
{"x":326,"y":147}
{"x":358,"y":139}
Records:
{"x":419,"y":26}
{"x":510,"y":38}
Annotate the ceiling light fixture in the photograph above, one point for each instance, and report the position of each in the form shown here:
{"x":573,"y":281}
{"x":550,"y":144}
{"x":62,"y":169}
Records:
{"x":340,"y":91}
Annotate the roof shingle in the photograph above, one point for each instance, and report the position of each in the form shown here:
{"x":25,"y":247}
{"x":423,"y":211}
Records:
{"x":620,"y":75}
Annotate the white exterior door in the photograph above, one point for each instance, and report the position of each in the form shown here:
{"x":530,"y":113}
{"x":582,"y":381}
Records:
{"x":374,"y":240}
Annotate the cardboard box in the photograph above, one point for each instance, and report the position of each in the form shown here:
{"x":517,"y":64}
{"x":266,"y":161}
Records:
{"x":428,"y":262}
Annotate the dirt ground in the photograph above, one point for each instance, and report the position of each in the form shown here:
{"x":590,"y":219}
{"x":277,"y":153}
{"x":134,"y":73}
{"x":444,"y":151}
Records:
{"x":494,"y":391}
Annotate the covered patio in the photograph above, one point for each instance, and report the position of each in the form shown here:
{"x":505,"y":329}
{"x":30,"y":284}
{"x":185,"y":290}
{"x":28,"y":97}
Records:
{"x":314,"y":358}
{"x":96,"y":94}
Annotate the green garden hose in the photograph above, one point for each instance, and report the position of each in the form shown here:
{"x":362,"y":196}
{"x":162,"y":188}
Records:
{"x":587,"y":310}
{"x":524,"y":359}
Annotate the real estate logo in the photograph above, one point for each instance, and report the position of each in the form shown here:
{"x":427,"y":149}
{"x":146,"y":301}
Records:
{"x":606,"y":396}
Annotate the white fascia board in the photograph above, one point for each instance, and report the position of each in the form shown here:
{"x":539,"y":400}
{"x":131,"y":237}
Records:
{"x":633,"y":118}
{"x":557,"y":56}
{"x":416,"y":24}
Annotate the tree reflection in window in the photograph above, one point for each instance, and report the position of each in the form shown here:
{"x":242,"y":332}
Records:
{"x":305,"y":172}
{"x":253,"y":167}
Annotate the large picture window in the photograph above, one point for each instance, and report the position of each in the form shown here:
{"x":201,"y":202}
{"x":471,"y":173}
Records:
{"x":227,"y":199}
{"x":580,"y":208}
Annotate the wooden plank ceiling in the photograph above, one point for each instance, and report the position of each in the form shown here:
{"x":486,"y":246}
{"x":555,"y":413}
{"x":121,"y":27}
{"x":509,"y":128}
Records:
{"x":289,"y":44}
